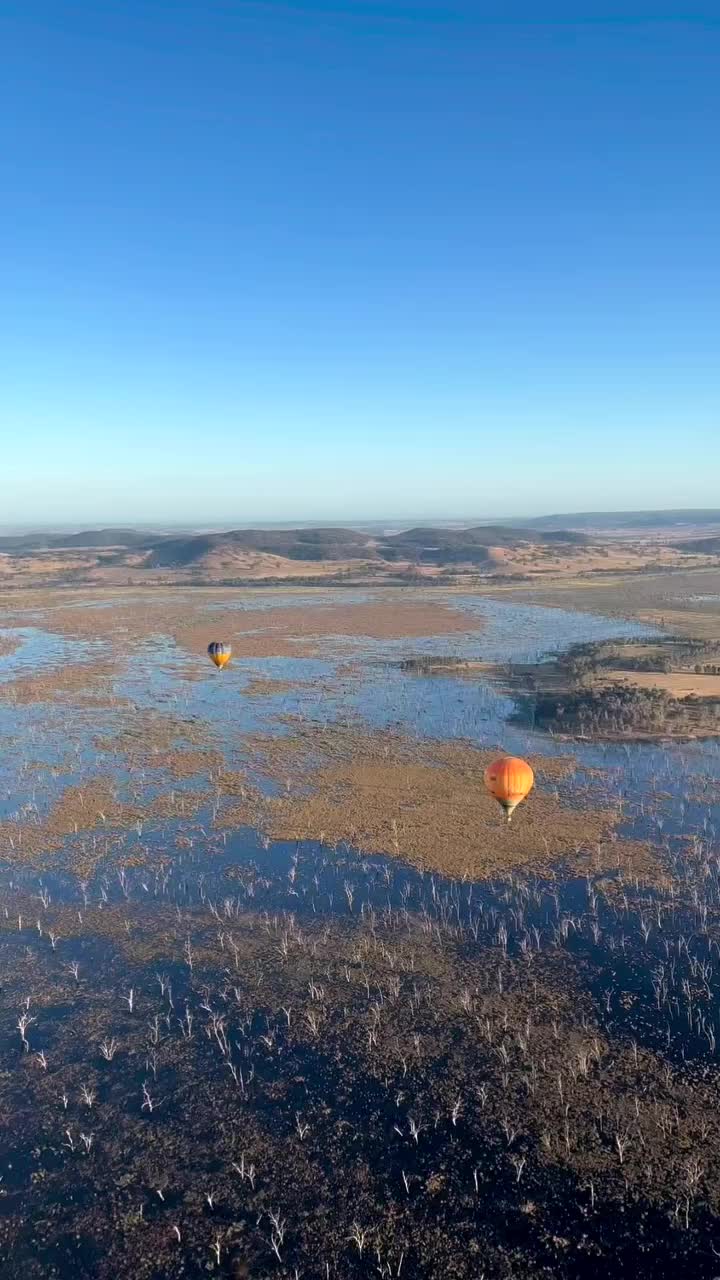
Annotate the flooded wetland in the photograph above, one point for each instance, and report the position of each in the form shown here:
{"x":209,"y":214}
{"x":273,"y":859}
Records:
{"x":282,"y":995}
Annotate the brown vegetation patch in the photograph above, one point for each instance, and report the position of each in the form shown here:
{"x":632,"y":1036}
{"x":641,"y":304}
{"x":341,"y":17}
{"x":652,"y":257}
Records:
{"x":615,"y":860}
{"x":84,"y":683}
{"x":93,"y":804}
{"x":187,"y":619}
{"x":259,"y":687}
{"x":177,"y":804}
{"x":231,"y":783}
{"x":146,"y":734}
{"x":87,"y":807}
{"x":679,"y":684}
{"x":599,"y":558}
{"x":155,"y":750}
{"x":8,"y":644}
{"x":430,"y":818}
{"x":94,"y":807}
{"x":297,"y":631}
{"x":698,"y":625}
{"x":186,"y":764}
{"x":424,"y":802}
{"x":310,"y":748}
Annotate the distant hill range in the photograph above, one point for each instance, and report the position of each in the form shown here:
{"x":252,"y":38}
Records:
{"x":320,"y":541}
{"x":451,"y":551}
{"x":607,"y":521}
{"x":23,"y":542}
{"x":423,"y":545}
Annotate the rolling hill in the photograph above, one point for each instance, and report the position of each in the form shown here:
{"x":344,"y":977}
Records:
{"x":421,"y":545}
{"x":326,"y":554}
{"x":424,"y":545}
{"x":292,"y":544}
{"x":464,"y":546}
{"x":700,"y":546}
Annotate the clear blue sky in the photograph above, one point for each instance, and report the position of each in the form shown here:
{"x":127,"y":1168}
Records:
{"x":275,"y":260}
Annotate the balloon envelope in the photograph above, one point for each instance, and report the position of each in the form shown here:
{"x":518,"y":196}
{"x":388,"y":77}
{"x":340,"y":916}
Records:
{"x":219,"y":652}
{"x":509,"y":779}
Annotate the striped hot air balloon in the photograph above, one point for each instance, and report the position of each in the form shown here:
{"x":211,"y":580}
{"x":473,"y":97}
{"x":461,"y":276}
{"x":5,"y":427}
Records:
{"x":509,"y":780}
{"x":219,"y":653}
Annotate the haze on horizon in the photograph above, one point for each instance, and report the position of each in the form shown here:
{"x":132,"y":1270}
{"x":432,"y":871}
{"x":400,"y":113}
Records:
{"x":612,"y":519}
{"x":335,"y":261}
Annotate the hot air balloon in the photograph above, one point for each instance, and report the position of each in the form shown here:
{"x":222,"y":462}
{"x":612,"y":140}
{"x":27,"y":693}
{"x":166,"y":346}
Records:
{"x":509,"y":780}
{"x":219,"y":653}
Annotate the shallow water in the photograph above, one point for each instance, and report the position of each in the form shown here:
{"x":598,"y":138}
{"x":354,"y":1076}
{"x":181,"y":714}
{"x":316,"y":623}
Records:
{"x":270,"y":936}
{"x":358,"y":681}
{"x":39,"y":648}
{"x":360,"y":678}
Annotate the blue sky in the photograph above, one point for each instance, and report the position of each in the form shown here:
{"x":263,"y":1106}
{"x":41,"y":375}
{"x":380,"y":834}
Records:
{"x":336,"y":260}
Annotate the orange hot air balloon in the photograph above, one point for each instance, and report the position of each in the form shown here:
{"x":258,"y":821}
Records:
{"x":509,"y":780}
